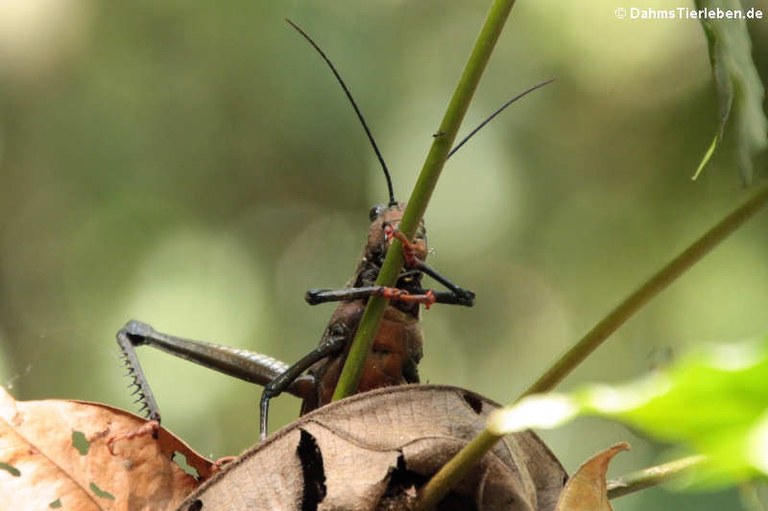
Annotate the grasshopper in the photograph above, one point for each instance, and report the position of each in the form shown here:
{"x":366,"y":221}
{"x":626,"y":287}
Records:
{"x":397,"y":347}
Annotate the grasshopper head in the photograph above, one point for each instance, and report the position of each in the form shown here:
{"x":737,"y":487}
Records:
{"x":383,"y":219}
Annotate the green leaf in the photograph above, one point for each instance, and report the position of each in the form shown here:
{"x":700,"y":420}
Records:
{"x":738,"y":85}
{"x":713,"y":402}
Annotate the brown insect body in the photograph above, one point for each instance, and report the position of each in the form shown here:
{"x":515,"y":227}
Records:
{"x":397,"y":346}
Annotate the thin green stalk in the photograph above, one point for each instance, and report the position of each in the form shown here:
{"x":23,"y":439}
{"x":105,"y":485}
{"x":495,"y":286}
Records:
{"x":453,"y":471}
{"x":634,"y":302}
{"x":652,"y":476}
{"x":457,"y":468}
{"x":425,"y":185}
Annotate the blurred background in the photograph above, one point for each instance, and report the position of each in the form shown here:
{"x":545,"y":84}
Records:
{"x":195,"y":166}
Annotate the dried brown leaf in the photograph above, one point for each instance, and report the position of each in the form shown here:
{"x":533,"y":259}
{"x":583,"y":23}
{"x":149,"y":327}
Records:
{"x":587,"y":489}
{"x":53,"y":454}
{"x":373,"y":450}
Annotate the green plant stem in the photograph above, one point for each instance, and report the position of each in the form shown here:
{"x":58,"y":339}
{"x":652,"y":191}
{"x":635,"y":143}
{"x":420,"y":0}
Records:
{"x":634,"y":302}
{"x":652,"y":476}
{"x":452,"y":472}
{"x":425,"y":185}
{"x":459,"y":465}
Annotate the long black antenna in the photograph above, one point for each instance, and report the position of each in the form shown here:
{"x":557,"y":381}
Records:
{"x":497,"y":112}
{"x":392,"y":200}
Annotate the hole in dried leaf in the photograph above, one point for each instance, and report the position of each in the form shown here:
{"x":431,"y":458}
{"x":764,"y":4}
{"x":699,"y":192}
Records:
{"x":473,"y":401}
{"x":402,"y":491}
{"x":312,"y":471}
{"x":101,"y":493}
{"x":80,"y":442}
{"x":56,"y":504}
{"x":15,"y":472}
{"x":401,"y":488}
{"x":197,"y":505}
{"x":181,"y":460}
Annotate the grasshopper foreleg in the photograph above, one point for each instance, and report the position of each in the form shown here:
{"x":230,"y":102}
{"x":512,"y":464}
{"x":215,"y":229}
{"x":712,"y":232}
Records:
{"x":463,"y":296}
{"x":423,"y":296}
{"x":455,"y":295}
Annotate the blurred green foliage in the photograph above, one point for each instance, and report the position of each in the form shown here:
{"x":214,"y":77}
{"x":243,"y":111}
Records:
{"x":711,"y":403}
{"x":738,"y":84}
{"x":195,"y":166}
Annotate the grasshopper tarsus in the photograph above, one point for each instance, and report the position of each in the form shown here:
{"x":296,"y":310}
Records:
{"x":413,"y":253}
{"x":316,"y":296}
{"x":463,"y":298}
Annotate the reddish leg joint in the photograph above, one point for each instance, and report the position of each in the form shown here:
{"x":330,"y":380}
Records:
{"x":221,"y":462}
{"x":395,"y":294}
{"x":408,"y":247}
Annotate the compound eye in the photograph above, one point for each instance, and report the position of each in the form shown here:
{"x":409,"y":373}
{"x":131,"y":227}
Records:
{"x":376,"y":212}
